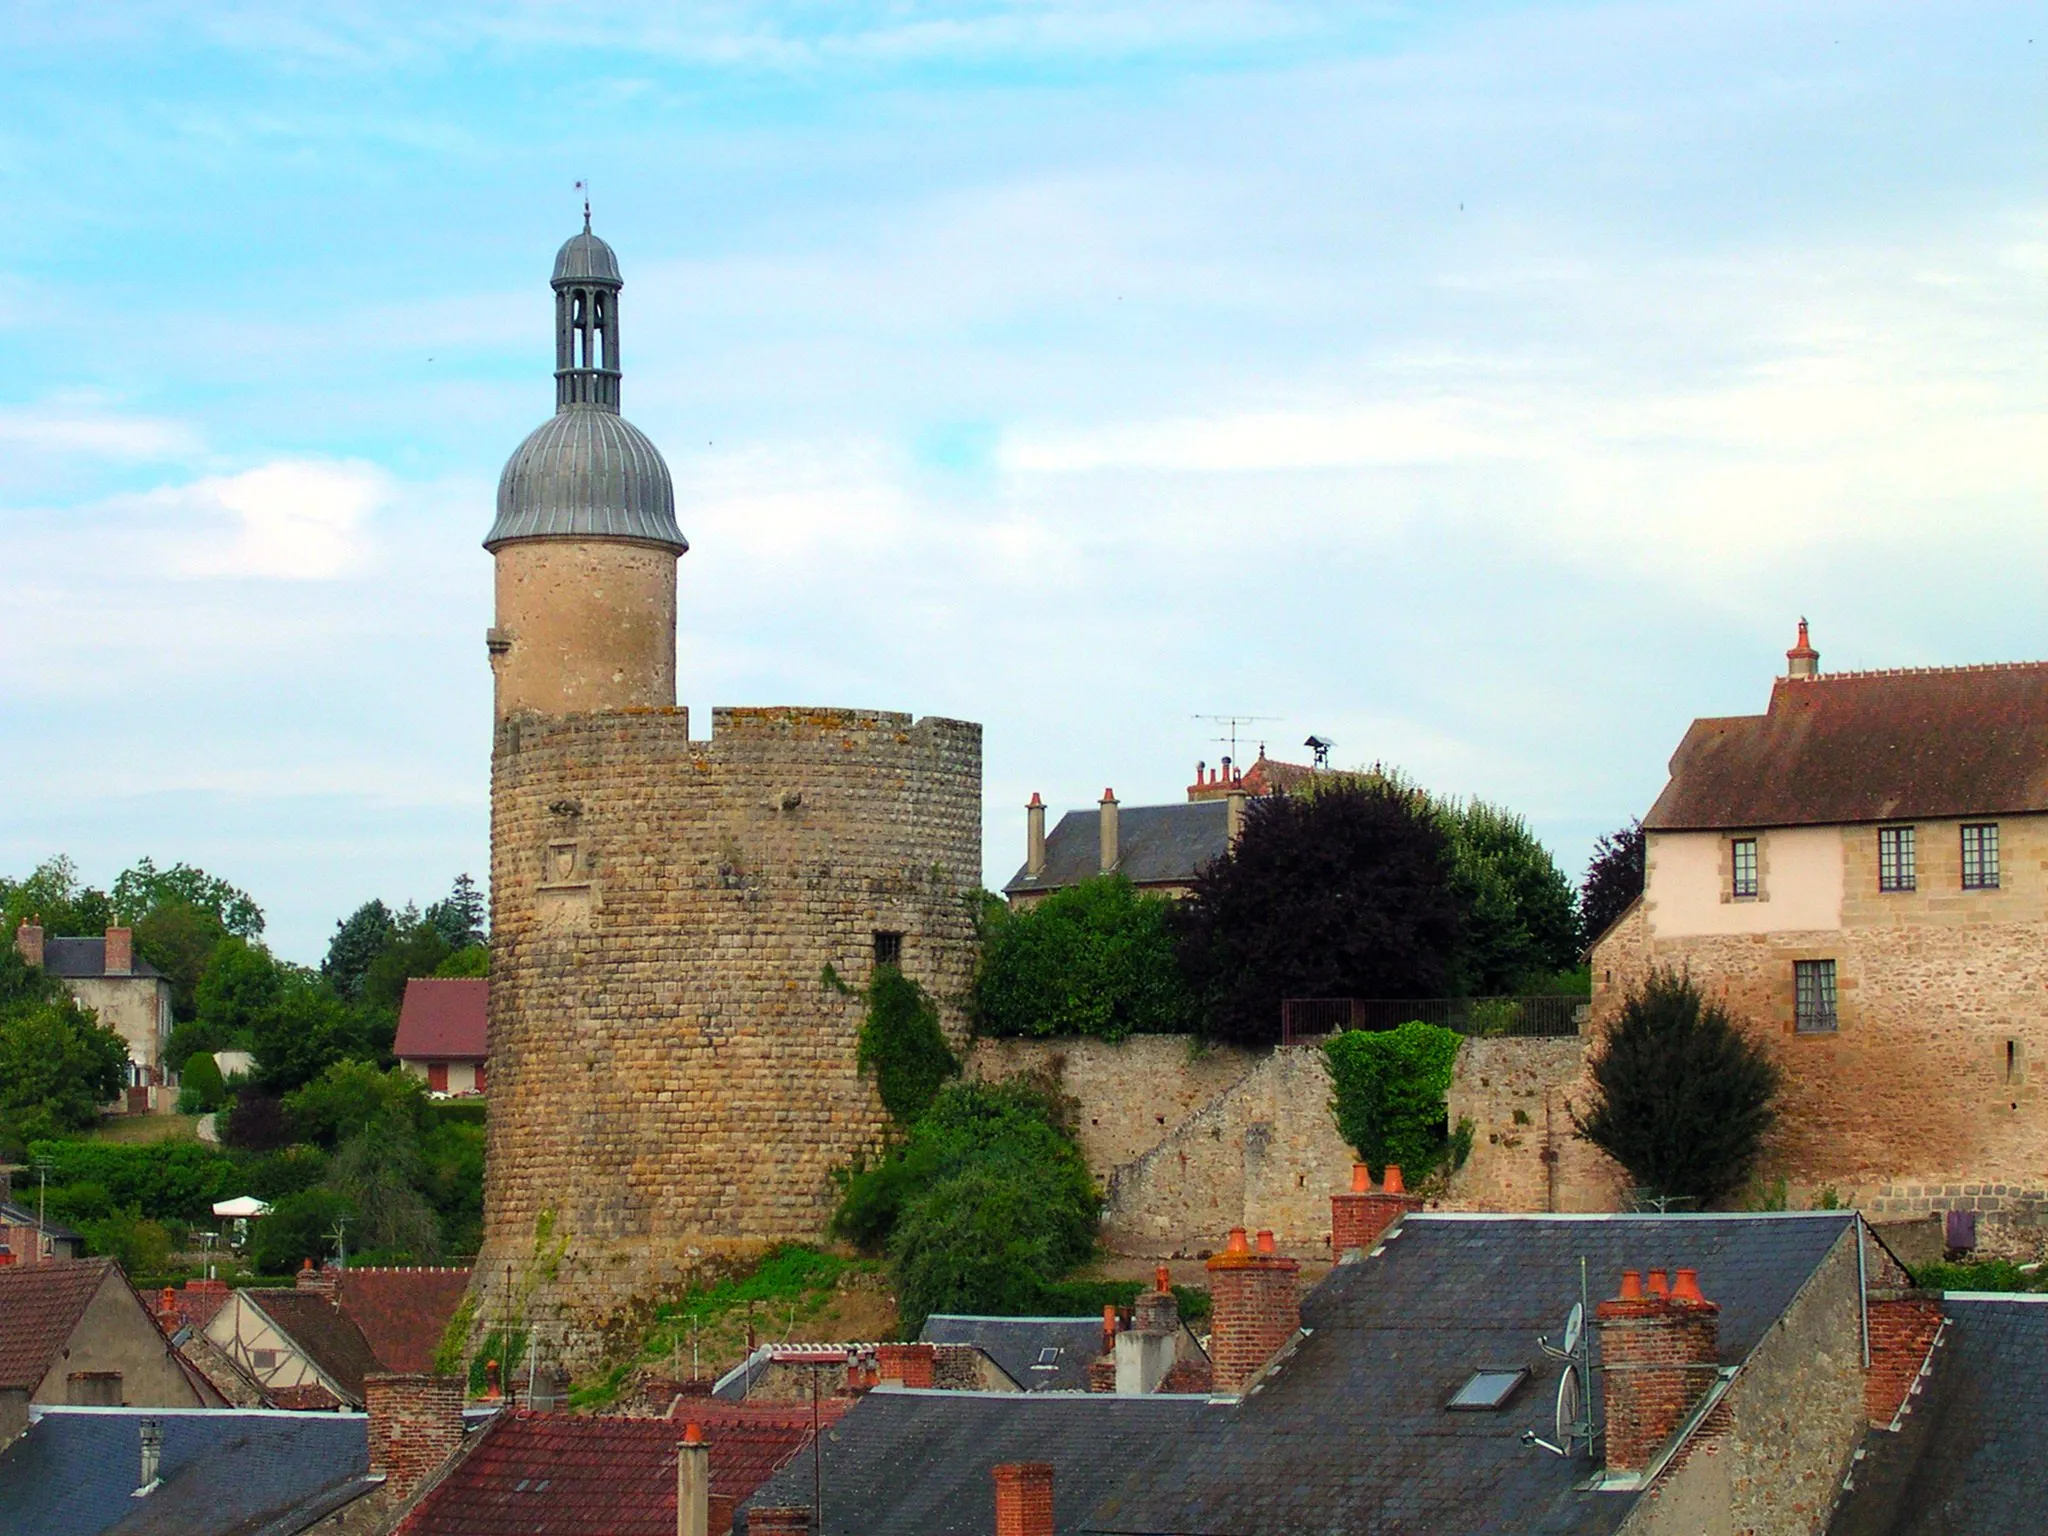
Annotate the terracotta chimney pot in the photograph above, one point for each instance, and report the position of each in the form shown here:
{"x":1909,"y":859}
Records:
{"x":1631,"y":1285}
{"x":1688,"y":1288}
{"x":1657,"y":1284}
{"x":1393,"y":1185}
{"x":1361,"y":1179}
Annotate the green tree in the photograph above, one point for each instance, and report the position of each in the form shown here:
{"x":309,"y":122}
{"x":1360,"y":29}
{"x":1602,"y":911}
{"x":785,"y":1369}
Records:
{"x":53,"y":895}
{"x":474,"y":961}
{"x":299,"y":1227}
{"x":378,"y":1174}
{"x":901,"y":1043}
{"x":350,"y":1098}
{"x":179,"y":939}
{"x":1682,"y":1097}
{"x":1521,"y":920}
{"x":1097,"y":958}
{"x":1391,"y":1087}
{"x":140,"y":1246}
{"x":416,"y":948}
{"x":201,"y":1088}
{"x":358,"y":940}
{"x":145,"y":889}
{"x":305,"y":1029}
{"x":58,"y":1065}
{"x":460,"y":916}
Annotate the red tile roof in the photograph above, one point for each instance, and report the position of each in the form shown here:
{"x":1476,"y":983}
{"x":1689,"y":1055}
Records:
{"x":1266,"y":776}
{"x":551,"y":1474}
{"x":442,"y":1019}
{"x":403,"y":1312}
{"x":40,"y":1306}
{"x":327,"y":1336}
{"x":1868,"y":746}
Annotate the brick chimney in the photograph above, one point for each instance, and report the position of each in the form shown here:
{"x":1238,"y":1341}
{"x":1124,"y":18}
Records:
{"x":1112,"y":845}
{"x":788,"y":1520}
{"x":1233,"y":815}
{"x":1034,"y":837}
{"x":1146,"y":1350}
{"x":1023,"y":1498}
{"x":1360,"y":1214}
{"x":120,"y":959}
{"x":908,"y":1365}
{"x":415,"y":1426}
{"x":1902,"y":1333}
{"x":28,"y":941}
{"x":1802,"y":660}
{"x":1658,"y":1357}
{"x":693,"y":1483}
{"x":1255,"y":1309}
{"x":320,"y":1278}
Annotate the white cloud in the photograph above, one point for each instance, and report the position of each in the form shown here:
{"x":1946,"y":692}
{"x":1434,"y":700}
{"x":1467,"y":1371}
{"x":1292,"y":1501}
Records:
{"x":294,"y":520}
{"x":82,"y":427}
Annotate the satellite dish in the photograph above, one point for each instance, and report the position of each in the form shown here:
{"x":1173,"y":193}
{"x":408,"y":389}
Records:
{"x":1574,"y":1326}
{"x":1567,"y":1405}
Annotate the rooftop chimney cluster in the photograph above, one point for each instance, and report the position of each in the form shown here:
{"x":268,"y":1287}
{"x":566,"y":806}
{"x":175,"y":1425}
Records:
{"x":1255,"y":1309}
{"x":1659,"y":1355}
{"x":1360,"y":1214}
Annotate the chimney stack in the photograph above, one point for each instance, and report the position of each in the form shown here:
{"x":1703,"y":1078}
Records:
{"x":152,"y":1455}
{"x":1360,"y":1214}
{"x":1023,"y":1498}
{"x":120,"y":953}
{"x":28,"y":941}
{"x":1111,"y":845}
{"x":1034,"y":837}
{"x":1145,"y":1352}
{"x":909,"y":1365}
{"x":693,"y":1484}
{"x":1255,"y":1309}
{"x":1802,"y":660}
{"x":415,"y":1426}
{"x":1234,"y":815}
{"x":788,"y":1520}
{"x":321,"y":1279}
{"x":1659,"y":1353}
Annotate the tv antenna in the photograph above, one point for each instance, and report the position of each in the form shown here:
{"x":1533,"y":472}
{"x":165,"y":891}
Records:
{"x":1231,"y":723}
{"x":340,"y":1236}
{"x":1572,"y":1422}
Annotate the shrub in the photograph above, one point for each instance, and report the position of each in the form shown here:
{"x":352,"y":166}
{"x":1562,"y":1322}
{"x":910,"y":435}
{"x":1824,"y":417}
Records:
{"x":257,"y":1122}
{"x":58,"y":1063}
{"x":1682,"y":1098}
{"x":1345,"y":893}
{"x":140,"y":1246}
{"x":352,"y":1097}
{"x":299,"y":1227}
{"x":201,"y":1088}
{"x":901,"y":1043}
{"x":165,"y":1180}
{"x":1390,"y":1094}
{"x":1097,"y":958}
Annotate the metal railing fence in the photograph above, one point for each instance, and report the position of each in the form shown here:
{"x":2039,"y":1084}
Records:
{"x":1313,"y":1018}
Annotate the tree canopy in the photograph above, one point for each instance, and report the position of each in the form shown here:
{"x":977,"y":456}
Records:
{"x":58,"y":1063}
{"x":1344,"y":893}
{"x":1614,"y":879}
{"x":1097,"y":958}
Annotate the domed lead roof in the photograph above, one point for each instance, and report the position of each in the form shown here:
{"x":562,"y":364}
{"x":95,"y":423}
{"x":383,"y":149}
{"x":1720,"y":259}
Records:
{"x":584,"y":257}
{"x":586,"y":473}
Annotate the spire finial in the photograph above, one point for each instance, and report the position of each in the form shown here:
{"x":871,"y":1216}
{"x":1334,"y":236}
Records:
{"x":584,"y":188}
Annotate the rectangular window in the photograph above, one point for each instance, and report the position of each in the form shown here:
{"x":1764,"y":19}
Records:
{"x":263,"y":1359}
{"x":1896,"y":869}
{"x":1744,"y":849}
{"x":888,"y":948}
{"x":1813,"y":996}
{"x":1980,"y":856}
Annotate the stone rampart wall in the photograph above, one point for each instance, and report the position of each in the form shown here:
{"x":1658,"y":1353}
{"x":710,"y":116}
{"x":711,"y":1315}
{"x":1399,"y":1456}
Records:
{"x":670,"y":1080}
{"x":1517,"y":1092}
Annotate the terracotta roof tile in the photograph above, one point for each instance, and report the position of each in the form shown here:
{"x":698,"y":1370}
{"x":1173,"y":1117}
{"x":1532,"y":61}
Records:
{"x":330,"y":1339}
{"x":547,"y":1474}
{"x":1868,"y":746}
{"x":403,"y":1312}
{"x":40,"y":1305}
{"x":442,"y":1019}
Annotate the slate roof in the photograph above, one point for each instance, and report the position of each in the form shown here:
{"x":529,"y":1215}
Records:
{"x":1971,"y":1458}
{"x":546,"y":1474}
{"x":40,"y":1305}
{"x":83,"y":959}
{"x":442,"y":1019}
{"x":1867,"y":746}
{"x":326,"y":1334}
{"x":1014,"y":1343}
{"x":224,"y":1472}
{"x":402,"y":1313}
{"x":1156,"y":845}
{"x":1350,"y":1433}
{"x":916,"y":1463}
{"x":21,"y":1216}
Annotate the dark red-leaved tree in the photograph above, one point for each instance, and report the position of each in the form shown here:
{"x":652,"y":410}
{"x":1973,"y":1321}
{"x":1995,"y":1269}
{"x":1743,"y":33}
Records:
{"x":1343,"y":894}
{"x":1613,"y":880}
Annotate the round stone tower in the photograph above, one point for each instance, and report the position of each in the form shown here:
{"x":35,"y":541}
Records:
{"x":585,"y":539}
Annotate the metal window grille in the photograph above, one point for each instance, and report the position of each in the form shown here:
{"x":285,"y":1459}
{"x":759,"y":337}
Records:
{"x":888,"y":948}
{"x":1896,"y":865}
{"x":1745,"y":866}
{"x":1980,"y":856}
{"x":1813,"y":996}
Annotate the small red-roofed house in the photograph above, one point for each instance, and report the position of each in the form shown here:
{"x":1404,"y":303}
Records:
{"x":441,"y":1032}
{"x":549,"y":1474}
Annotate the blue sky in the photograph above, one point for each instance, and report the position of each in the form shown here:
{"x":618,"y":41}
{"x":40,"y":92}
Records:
{"x":1487,"y":387}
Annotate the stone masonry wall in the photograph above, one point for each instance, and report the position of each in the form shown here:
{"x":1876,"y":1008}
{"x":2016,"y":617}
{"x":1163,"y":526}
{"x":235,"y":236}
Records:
{"x":1927,"y":1095}
{"x":669,"y":1078}
{"x":1517,"y":1092}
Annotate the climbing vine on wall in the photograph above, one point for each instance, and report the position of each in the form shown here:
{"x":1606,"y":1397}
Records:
{"x":901,"y":1042}
{"x":1391,"y":1091}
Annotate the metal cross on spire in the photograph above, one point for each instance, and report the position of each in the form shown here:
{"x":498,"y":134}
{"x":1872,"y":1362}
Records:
{"x":584,"y":188}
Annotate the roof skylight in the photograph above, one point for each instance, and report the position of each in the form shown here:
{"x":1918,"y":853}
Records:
{"x":1488,"y":1389}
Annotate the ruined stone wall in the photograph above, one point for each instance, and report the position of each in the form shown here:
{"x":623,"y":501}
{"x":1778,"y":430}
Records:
{"x":1517,"y":1092}
{"x":1925,"y":1096}
{"x":669,"y":1078}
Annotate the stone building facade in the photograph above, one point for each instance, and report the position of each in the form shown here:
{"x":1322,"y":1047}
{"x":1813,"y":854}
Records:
{"x":671,"y":1078}
{"x":1861,"y":875}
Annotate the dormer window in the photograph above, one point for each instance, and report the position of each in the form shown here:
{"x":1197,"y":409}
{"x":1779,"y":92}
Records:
{"x":1743,"y":867}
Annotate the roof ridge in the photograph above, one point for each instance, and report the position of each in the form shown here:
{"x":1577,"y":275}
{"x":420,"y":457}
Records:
{"x":1972,"y":666}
